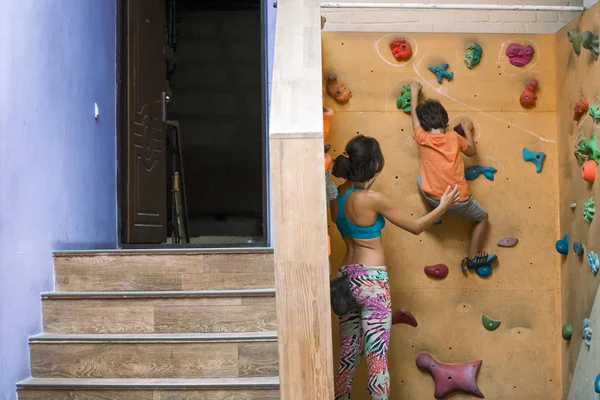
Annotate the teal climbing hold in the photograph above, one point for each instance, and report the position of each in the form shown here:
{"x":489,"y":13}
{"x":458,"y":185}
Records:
{"x":537,"y":158}
{"x":593,"y":262}
{"x":472,"y":173}
{"x":578,"y":249}
{"x":441,"y":73}
{"x":488,"y":323}
{"x":484,"y":271}
{"x":597,"y":384}
{"x":594,"y":111}
{"x":589,"y":210}
{"x":562,"y":245}
{"x":403,"y":101}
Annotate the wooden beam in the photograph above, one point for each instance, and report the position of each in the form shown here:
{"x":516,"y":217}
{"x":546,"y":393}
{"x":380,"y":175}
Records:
{"x":299,"y":205}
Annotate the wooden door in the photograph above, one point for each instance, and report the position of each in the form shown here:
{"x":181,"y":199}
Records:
{"x":146,"y":177}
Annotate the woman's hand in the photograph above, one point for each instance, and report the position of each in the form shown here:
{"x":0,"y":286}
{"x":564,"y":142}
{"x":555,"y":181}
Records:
{"x":450,"y":198}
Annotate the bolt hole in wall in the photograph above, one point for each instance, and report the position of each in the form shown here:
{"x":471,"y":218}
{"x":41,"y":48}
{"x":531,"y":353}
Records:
{"x":217,"y":85}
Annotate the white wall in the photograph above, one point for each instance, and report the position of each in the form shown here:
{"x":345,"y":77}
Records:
{"x":480,"y":21}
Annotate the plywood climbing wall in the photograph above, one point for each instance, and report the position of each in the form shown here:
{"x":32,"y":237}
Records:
{"x":521,"y":359}
{"x":577,"y":75}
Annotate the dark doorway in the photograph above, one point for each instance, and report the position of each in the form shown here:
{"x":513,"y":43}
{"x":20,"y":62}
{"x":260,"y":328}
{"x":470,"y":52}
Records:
{"x":213,"y":116}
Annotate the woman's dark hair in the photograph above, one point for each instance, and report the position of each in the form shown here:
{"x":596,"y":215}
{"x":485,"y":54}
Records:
{"x":432,"y":115}
{"x":361,"y":160}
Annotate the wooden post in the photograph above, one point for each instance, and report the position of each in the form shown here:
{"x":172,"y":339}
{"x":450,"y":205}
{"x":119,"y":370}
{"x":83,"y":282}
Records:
{"x":299,"y":205}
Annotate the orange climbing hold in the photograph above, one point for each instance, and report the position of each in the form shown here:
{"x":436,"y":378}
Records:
{"x":588,"y":171}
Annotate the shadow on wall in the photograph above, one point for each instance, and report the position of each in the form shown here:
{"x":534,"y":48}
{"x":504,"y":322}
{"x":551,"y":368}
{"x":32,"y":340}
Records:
{"x":58,"y":173}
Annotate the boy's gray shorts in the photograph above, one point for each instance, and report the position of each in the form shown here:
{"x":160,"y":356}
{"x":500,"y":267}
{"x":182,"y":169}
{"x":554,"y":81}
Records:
{"x":469,"y":209}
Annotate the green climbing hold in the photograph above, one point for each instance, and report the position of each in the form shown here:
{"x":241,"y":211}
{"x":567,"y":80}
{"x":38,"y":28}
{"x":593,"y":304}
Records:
{"x":575,"y":38}
{"x":403,"y":101}
{"x":489,"y":324}
{"x":594,"y":112}
{"x":590,"y":41}
{"x":588,"y":210}
{"x":473,"y":55}
{"x":589,"y":148}
{"x":567,"y":331}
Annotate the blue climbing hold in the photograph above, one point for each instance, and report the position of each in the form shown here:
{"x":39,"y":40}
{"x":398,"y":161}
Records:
{"x":484,"y":271}
{"x":593,"y":262}
{"x":472,"y":173}
{"x":578,"y":249}
{"x":536,"y":158}
{"x":441,"y":73}
{"x":597,"y":384}
{"x":562,"y":245}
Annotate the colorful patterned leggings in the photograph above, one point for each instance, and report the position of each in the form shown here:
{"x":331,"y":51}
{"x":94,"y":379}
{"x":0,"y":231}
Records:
{"x":371,"y":323}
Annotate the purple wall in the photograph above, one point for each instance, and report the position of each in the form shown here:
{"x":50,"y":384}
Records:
{"x":57,"y":174}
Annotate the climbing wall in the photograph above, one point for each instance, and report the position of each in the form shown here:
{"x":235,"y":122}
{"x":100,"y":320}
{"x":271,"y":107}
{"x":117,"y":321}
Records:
{"x":577,"y":75}
{"x":521,"y":359}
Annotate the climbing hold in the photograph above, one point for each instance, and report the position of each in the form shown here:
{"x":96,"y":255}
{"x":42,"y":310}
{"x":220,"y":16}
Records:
{"x":508,"y":242}
{"x":489,"y":324}
{"x":441,"y":73}
{"x":562,"y":245}
{"x":472,"y":173}
{"x":578,"y":249}
{"x":588,"y":210}
{"x":587,"y":332}
{"x":473,"y":55}
{"x":597,"y":384}
{"x":437,"y":271}
{"x":323,"y":20}
{"x":567,"y":331}
{"x":573,"y":206}
{"x":484,"y":271}
{"x":528,"y":96}
{"x":593,"y":262}
{"x":594,"y":111}
{"x":537,"y":158}
{"x":519,"y":55}
{"x":581,"y":107}
{"x":459,"y":129}
{"x":451,"y":378}
{"x":575,"y":38}
{"x":588,"y":171}
{"x":338,"y":90}
{"x":403,"y":101}
{"x":587,"y":149}
{"x":401,"y":49}
{"x":403,"y":317}
{"x":589,"y":41}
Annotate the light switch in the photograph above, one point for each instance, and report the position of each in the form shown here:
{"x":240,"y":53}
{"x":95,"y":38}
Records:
{"x":96,"y":111}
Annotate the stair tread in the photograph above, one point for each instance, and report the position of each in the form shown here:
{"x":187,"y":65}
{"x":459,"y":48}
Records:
{"x":154,"y":337}
{"x":154,"y":252}
{"x":140,"y":383}
{"x":159,"y":294}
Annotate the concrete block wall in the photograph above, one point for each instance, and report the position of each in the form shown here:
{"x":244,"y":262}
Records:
{"x":475,"y":21}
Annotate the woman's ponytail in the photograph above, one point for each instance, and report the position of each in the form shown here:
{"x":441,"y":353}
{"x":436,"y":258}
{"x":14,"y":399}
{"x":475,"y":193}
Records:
{"x":341,"y":166}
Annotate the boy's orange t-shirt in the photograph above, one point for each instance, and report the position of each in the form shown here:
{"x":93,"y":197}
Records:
{"x":442,"y":163}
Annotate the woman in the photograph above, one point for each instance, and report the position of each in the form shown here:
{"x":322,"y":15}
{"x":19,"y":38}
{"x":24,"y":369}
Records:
{"x":360,"y":214}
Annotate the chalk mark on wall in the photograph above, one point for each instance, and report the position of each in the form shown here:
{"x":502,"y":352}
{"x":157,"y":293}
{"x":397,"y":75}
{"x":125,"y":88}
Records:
{"x":441,"y":91}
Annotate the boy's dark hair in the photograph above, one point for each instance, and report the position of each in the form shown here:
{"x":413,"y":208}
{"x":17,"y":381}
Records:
{"x":361,"y":160}
{"x":432,"y":115}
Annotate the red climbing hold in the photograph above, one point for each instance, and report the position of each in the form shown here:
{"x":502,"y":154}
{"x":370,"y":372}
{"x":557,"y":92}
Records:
{"x":528,"y":96}
{"x":437,"y":271}
{"x":401,"y":49}
{"x":403,"y":317}
{"x":449,"y":378}
{"x":581,"y":107}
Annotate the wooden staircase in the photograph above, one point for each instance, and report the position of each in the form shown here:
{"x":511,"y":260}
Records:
{"x":157,"y":326}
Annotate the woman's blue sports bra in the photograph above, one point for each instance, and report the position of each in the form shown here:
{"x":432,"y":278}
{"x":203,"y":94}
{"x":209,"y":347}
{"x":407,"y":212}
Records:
{"x":350,"y":229}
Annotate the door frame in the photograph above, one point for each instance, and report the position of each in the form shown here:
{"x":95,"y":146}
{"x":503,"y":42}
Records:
{"x":121,"y":129}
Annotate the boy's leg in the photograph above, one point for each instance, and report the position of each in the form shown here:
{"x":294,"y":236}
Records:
{"x":470,"y":209}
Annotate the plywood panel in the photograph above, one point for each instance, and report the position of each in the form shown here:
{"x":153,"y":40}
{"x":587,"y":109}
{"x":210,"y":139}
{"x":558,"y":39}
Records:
{"x":524,"y":287}
{"x":576,"y":75}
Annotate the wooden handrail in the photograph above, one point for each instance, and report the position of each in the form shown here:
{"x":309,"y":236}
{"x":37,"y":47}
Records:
{"x":299,"y":205}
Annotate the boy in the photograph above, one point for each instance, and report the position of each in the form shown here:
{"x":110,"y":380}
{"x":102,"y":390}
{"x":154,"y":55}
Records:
{"x":442,"y":165}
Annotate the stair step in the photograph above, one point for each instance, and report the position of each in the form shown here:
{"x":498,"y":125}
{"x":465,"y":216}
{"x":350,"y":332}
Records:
{"x":120,"y":270}
{"x":263,"y":388}
{"x":154,"y":356}
{"x":248,"y":310}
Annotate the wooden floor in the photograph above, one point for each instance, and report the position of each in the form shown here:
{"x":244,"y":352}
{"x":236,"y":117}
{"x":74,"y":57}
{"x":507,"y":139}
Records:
{"x":157,"y":326}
